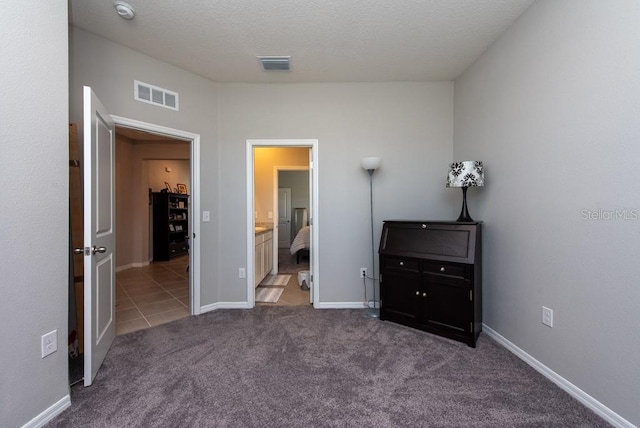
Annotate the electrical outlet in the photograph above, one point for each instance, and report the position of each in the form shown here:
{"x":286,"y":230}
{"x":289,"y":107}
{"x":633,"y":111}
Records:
{"x":547,"y":316}
{"x":206,"y":216}
{"x":363,"y":272}
{"x":49,"y":343}
{"x":242,"y":273}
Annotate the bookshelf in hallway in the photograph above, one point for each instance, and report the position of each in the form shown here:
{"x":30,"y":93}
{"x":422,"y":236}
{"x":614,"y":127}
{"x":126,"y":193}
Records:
{"x":170,"y":225}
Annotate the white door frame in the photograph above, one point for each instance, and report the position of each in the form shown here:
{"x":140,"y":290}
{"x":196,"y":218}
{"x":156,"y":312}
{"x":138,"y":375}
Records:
{"x":306,"y":143}
{"x":194,"y":217}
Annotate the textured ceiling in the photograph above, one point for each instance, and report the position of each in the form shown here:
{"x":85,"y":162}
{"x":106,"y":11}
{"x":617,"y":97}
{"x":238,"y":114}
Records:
{"x":328,"y":40}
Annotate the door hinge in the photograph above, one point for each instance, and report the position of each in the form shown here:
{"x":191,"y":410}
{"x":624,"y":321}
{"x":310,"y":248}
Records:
{"x":471,"y":326}
{"x":471,"y":295}
{"x":311,"y":278}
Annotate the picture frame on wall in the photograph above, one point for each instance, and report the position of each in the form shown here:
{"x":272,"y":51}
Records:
{"x":182,"y":189}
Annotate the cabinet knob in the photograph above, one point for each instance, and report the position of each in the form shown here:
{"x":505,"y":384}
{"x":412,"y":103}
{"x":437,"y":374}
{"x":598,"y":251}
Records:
{"x":442,"y":269}
{"x":401,"y":263}
{"x":417,"y":293}
{"x":424,"y":226}
{"x":424,"y":294}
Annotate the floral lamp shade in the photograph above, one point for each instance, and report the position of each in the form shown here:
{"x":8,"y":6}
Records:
{"x":466,"y":174}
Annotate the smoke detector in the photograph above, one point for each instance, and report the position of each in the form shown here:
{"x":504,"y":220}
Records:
{"x":124,"y":10}
{"x":275,"y":63}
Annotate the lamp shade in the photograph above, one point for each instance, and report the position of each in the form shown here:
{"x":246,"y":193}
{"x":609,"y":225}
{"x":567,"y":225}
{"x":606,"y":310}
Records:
{"x":466,"y":174}
{"x":370,"y":163}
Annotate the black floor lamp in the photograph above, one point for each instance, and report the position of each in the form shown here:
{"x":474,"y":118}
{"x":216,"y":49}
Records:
{"x":370,"y":164}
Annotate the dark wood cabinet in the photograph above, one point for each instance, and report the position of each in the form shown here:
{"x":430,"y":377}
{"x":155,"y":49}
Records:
{"x":170,"y":225}
{"x":431,"y":277}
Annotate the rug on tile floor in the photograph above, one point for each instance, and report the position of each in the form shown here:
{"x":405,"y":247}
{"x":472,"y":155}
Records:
{"x":280,"y":280}
{"x":268,"y":295}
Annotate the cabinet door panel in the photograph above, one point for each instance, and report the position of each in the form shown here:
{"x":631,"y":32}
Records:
{"x":259,"y":264}
{"x":448,"y":304}
{"x":400,"y":293}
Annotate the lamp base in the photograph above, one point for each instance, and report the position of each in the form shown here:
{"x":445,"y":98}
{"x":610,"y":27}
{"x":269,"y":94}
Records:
{"x":464,"y":213}
{"x":465,"y":218}
{"x":373,"y":312}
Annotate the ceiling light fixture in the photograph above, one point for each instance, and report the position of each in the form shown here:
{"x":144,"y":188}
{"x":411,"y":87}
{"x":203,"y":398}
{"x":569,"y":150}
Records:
{"x":124,"y":10}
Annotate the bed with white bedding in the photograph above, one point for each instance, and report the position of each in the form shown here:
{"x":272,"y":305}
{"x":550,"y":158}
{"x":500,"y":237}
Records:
{"x":301,"y":243}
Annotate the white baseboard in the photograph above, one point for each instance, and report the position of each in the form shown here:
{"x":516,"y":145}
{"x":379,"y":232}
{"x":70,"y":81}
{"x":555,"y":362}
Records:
{"x":224,"y":305}
{"x":597,"y":407}
{"x":47,"y":416}
{"x":245,"y":305}
{"x":339,"y":305}
{"x":132,"y":265}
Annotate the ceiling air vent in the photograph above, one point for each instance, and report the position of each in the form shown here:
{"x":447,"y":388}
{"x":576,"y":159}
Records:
{"x":275,"y":63}
{"x":154,"y":95}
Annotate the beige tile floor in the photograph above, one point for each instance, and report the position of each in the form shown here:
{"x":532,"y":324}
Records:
{"x":292,"y":295}
{"x":152,"y":295}
{"x":159,"y":293}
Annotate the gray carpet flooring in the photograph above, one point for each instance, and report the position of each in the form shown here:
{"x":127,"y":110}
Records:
{"x":300,"y":367}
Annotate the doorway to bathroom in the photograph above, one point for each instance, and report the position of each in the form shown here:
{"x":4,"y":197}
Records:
{"x":268,"y":163}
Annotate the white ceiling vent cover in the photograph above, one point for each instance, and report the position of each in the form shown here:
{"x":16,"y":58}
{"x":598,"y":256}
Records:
{"x":275,"y":63}
{"x":155,"y":95}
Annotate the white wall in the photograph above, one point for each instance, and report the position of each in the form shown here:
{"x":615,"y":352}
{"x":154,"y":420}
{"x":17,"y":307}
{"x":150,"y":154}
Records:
{"x":552,"y":108}
{"x":111,"y":69}
{"x":409,"y":125}
{"x":265,"y":160}
{"x":298,"y":182}
{"x":34,"y":140}
{"x":180,"y":172}
{"x":136,"y":172}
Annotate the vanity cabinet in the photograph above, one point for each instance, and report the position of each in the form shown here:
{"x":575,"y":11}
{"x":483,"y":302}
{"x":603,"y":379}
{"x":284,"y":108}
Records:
{"x":431,"y":277}
{"x":263,"y":259}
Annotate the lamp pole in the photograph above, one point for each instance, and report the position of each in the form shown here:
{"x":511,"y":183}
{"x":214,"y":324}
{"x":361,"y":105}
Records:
{"x":372,"y":312}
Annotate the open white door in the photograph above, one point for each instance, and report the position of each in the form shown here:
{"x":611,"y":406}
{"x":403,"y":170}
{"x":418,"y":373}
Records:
{"x":311,"y":211}
{"x":99,"y":234}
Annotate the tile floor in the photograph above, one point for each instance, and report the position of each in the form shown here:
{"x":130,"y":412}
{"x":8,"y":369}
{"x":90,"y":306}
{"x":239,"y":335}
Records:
{"x":159,"y":293}
{"x":292,"y":295}
{"x":152,"y":295}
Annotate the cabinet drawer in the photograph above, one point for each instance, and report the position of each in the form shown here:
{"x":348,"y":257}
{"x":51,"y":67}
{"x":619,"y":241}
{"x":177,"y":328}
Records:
{"x":459,"y":271}
{"x":401,"y":263}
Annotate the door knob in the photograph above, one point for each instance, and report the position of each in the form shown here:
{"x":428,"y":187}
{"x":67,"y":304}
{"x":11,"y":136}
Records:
{"x":78,"y":250}
{"x":95,"y":249}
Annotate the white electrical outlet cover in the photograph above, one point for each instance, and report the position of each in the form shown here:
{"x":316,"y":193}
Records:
{"x":49,"y":343}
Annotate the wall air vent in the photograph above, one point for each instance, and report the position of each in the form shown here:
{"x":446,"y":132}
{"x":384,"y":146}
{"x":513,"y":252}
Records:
{"x":154,"y":95}
{"x":275,"y":63}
